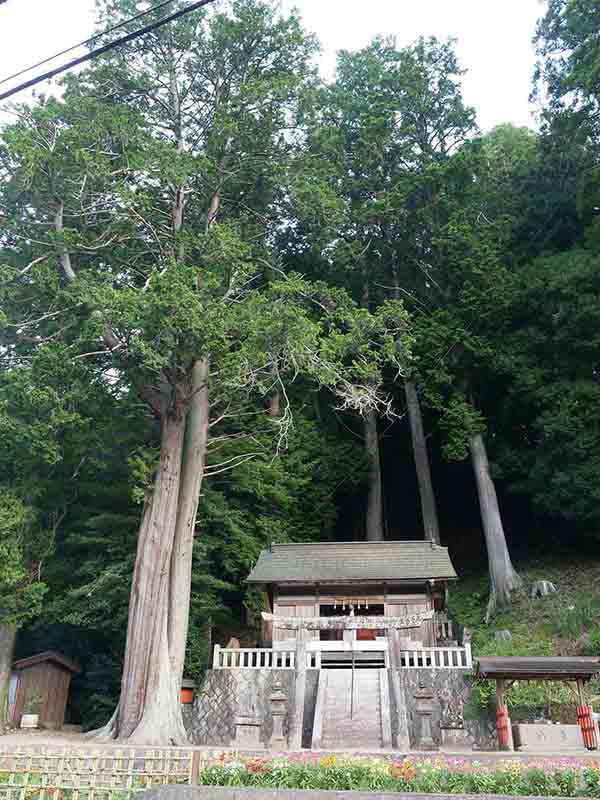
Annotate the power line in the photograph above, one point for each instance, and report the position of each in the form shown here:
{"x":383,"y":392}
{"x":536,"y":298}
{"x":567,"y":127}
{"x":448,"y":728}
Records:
{"x":85,"y":41}
{"x":100,"y":50}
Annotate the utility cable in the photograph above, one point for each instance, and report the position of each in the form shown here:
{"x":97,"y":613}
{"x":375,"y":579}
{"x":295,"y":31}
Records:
{"x":85,"y":41}
{"x":106,"y":48}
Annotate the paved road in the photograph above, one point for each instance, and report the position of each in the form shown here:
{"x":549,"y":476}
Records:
{"x":77,"y":740}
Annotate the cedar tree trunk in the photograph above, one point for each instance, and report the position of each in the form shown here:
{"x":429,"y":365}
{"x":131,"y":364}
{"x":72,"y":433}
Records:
{"x":149,"y":710}
{"x":192,"y":473}
{"x":374,"y":519}
{"x":428,"y":507}
{"x":8,"y":635}
{"x":503,"y":577}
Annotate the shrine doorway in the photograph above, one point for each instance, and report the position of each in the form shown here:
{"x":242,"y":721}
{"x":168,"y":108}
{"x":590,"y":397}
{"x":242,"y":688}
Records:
{"x":347,"y":610}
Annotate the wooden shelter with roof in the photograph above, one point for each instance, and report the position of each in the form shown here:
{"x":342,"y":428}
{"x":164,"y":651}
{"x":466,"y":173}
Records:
{"x":507,"y":670}
{"x":47,"y":675}
{"x":365,"y":580}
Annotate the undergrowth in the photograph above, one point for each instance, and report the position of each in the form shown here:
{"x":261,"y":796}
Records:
{"x":561,"y":624}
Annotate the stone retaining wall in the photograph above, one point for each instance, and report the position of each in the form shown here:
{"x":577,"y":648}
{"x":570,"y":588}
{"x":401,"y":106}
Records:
{"x":227,"y":693}
{"x":480,"y":729}
{"x":223,"y":793}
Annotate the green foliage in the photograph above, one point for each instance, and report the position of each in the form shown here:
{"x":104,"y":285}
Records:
{"x":580,"y":617}
{"x":33,"y":702}
{"x":460,"y":422}
{"x":363,"y":232}
{"x":550,"y":431}
{"x":21,"y":591}
{"x":439,"y":777}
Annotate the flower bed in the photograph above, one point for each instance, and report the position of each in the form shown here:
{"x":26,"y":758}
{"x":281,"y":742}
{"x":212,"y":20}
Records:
{"x":443,"y":776}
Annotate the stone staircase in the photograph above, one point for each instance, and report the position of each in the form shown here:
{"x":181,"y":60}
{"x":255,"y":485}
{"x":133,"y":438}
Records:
{"x":357,"y":725}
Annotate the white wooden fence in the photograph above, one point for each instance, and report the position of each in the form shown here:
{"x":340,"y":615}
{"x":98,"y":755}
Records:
{"x":437,"y":658}
{"x":266,"y":658}
{"x":256,"y":658}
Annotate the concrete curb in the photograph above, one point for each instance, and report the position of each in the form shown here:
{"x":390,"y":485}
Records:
{"x":226,"y":793}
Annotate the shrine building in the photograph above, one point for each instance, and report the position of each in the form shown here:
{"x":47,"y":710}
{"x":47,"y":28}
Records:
{"x":340,"y":584}
{"x":357,"y":652}
{"x":348,"y":628}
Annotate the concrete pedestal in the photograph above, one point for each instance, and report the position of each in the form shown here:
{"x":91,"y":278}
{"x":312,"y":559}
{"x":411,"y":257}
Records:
{"x":247,"y":733}
{"x":548,"y":738}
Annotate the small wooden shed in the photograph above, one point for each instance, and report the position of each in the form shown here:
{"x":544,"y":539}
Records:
{"x":48,"y":674}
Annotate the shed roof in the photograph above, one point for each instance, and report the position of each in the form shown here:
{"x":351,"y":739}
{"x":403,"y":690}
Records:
{"x":330,"y":562}
{"x":49,"y":655}
{"x":547,"y":668}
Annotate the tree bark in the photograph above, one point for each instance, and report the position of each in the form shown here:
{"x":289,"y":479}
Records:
{"x":428,"y":507}
{"x":503,"y":577}
{"x":8,"y":636}
{"x":275,"y":397}
{"x":374,"y":517}
{"x":192,"y":474}
{"x":149,"y":710}
{"x":64,"y":256}
{"x":275,"y":404}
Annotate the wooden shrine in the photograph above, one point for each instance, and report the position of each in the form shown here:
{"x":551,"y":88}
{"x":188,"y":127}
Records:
{"x":355,"y":590}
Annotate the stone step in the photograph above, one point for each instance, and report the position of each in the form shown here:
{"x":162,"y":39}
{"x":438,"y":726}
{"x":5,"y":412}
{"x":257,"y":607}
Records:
{"x":363,"y":729}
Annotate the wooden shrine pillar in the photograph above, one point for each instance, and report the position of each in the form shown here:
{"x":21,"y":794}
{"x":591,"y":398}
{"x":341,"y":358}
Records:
{"x":586,"y":720}
{"x":503,"y":724}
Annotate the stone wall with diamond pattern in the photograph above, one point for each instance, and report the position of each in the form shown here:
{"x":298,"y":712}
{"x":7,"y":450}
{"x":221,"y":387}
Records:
{"x":227,"y":693}
{"x":480,"y":730}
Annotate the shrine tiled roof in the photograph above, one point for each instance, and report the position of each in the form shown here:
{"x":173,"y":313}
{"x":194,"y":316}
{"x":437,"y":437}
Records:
{"x":329,"y":562}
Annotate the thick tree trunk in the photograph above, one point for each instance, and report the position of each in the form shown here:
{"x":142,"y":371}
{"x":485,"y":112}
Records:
{"x":428,"y":507}
{"x":503,"y":577}
{"x":374,"y":517}
{"x":8,"y":635}
{"x":192,"y":473}
{"x":149,"y":710}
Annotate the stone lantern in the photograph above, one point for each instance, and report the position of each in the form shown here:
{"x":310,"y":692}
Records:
{"x":424,"y":709}
{"x":278,"y":702}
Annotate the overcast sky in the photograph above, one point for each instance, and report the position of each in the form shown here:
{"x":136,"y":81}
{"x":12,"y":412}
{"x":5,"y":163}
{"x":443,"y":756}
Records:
{"x":494,"y":39}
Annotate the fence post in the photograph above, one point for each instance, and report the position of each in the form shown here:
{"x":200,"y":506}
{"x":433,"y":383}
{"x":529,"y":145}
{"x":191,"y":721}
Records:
{"x":216,"y":656}
{"x":468,"y":654}
{"x":195,"y":766}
